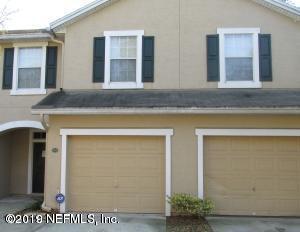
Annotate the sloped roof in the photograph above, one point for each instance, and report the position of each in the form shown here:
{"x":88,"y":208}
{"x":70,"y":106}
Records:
{"x":277,"y":5}
{"x":80,"y":13}
{"x":281,"y":7}
{"x":24,"y":35}
{"x":193,"y":101}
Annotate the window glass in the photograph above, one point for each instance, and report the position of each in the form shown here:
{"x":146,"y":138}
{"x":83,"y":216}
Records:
{"x":29,"y":68}
{"x":239,"y":57}
{"x":123,"y":59}
{"x":39,"y":135}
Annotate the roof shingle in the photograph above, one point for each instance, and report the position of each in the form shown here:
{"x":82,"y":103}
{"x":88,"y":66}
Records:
{"x":202,"y":99}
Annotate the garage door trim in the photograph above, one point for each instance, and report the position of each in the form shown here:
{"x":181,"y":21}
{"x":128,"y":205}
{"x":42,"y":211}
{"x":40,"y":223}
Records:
{"x":167,"y":133}
{"x":201,"y":133}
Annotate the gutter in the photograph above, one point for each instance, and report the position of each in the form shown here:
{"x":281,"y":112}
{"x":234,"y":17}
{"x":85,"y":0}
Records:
{"x":153,"y":111}
{"x":281,"y":7}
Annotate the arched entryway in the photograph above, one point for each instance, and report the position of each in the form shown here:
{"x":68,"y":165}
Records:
{"x":22,"y":146}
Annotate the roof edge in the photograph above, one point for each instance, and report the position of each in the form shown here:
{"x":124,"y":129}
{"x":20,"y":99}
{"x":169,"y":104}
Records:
{"x":152,"y":111}
{"x":277,"y":5}
{"x":281,"y":7}
{"x":81,"y":12}
{"x":15,"y":35}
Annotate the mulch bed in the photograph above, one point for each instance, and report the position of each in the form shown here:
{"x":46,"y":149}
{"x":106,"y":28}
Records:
{"x":187,"y":224}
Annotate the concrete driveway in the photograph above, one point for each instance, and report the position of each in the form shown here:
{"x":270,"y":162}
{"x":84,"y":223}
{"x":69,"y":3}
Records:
{"x":127,"y":223}
{"x":238,"y":224}
{"x":14,"y":204}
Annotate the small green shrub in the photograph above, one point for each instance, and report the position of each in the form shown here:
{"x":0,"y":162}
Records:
{"x":207,"y":207}
{"x":188,"y":205}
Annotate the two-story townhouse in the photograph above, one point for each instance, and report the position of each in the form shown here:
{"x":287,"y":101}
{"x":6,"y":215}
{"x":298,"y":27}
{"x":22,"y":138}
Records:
{"x":157,"y":97}
{"x":30,"y":68}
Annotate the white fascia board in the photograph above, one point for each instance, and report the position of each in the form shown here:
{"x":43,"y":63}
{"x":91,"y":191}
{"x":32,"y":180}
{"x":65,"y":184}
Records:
{"x":284,"y":6}
{"x":26,"y":36}
{"x":276,"y":5}
{"x":141,"y":111}
{"x":281,"y":7}
{"x":85,"y":10}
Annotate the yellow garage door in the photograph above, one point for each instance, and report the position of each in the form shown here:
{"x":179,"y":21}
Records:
{"x":253,"y":175}
{"x":116,"y":174}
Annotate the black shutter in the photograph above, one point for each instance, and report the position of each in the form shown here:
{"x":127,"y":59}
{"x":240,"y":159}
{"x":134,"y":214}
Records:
{"x":213,"y":60}
{"x":148,"y":59}
{"x":265,"y":58}
{"x":99,"y":60}
{"x":51,"y":68}
{"x":8,"y":67}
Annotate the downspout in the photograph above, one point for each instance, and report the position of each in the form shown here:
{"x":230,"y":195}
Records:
{"x":46,"y":126}
{"x":45,"y":208}
{"x":44,"y":123}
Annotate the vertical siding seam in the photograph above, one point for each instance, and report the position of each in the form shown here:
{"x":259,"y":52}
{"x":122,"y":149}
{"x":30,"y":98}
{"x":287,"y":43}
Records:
{"x":179,"y":38}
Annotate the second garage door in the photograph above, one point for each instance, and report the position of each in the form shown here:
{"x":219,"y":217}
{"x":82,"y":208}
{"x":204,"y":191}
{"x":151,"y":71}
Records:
{"x":253,"y":175}
{"x":116,"y":174}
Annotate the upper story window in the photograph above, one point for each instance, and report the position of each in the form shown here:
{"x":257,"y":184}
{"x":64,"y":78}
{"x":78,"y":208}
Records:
{"x":123,"y":59}
{"x":239,"y":58}
{"x":29,"y":70}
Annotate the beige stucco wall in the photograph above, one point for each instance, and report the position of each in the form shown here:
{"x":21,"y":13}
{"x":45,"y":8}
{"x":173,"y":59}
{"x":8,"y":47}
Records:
{"x":180,"y":28}
{"x":184,"y":141}
{"x":5,"y":162}
{"x":14,"y":108}
{"x":19,"y":162}
{"x":14,"y":151}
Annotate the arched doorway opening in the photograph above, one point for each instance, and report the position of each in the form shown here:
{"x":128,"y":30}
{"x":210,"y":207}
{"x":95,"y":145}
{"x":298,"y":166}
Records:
{"x":22,"y":162}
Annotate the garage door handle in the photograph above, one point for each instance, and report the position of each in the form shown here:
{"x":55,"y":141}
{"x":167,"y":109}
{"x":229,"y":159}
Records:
{"x":254,"y":189}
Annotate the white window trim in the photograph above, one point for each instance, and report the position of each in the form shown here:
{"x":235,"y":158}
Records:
{"x":201,"y":133}
{"x":124,"y":85}
{"x":256,"y":83}
{"x":37,"y":91}
{"x":167,"y":133}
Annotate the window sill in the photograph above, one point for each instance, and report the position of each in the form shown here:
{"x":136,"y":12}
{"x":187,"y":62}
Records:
{"x":119,"y":85}
{"x":21,"y":92}
{"x":240,"y":85}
